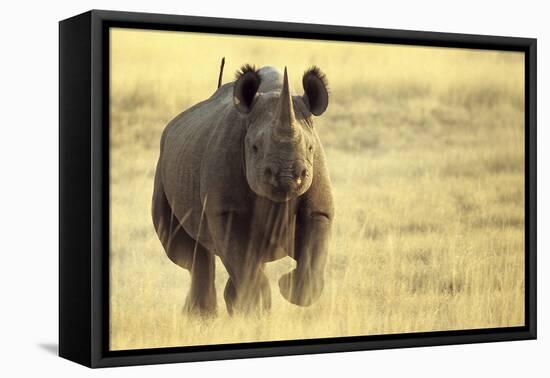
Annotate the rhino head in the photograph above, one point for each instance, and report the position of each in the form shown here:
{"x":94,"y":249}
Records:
{"x":280,"y":143}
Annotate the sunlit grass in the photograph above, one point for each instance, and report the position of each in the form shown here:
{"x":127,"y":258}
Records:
{"x":425,"y":151}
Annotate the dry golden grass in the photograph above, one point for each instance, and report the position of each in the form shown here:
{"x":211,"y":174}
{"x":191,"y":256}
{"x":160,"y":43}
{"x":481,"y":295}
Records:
{"x":425,"y":151}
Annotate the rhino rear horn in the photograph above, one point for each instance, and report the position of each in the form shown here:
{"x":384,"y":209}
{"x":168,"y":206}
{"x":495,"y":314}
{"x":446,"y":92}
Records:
{"x":245,"y":88}
{"x":315,"y":90}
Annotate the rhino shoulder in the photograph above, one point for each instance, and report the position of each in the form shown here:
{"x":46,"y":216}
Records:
{"x":223,"y":179}
{"x":318,"y":200}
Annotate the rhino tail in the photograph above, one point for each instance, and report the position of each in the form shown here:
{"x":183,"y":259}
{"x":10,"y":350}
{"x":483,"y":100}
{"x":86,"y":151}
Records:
{"x":221,"y":72}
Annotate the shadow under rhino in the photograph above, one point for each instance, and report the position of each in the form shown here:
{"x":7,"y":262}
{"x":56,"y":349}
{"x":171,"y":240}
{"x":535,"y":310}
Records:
{"x":242,"y":175}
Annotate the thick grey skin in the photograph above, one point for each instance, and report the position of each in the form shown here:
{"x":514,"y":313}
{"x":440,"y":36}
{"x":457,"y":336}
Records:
{"x":203,"y":204}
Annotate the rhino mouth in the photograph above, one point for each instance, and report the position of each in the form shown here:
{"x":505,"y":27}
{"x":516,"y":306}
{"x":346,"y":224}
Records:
{"x":282,"y":196}
{"x":287,"y":188}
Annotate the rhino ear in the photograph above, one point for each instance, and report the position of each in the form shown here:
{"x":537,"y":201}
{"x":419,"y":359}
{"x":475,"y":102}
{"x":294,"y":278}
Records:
{"x":245,"y":88}
{"x":315,"y":90}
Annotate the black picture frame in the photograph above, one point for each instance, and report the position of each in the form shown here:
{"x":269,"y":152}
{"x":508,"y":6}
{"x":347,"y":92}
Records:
{"x":84,"y":188}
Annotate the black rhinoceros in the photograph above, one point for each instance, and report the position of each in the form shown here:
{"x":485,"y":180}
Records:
{"x":242,"y":175}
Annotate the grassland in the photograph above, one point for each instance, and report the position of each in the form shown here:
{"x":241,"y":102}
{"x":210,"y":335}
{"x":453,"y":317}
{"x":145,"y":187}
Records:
{"x":425,"y":152}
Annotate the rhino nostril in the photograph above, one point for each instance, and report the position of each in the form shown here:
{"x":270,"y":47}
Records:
{"x":303,"y":174}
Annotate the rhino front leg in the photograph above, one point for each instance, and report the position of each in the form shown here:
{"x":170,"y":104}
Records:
{"x":244,"y":295}
{"x":247,"y":291}
{"x":304,"y":285}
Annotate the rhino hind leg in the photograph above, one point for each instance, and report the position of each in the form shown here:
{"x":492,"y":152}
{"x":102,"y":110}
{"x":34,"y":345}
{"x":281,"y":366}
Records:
{"x":184,"y":251}
{"x":174,"y":239}
{"x":201,"y":299}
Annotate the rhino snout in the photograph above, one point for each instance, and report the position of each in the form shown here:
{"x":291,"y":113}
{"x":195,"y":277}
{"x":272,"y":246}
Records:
{"x":286,"y":180}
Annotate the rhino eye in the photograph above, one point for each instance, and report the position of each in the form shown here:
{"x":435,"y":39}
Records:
{"x":310,"y":148}
{"x":254,"y":148}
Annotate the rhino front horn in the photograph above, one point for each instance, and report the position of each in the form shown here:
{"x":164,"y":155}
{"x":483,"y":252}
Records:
{"x":286,"y":126}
